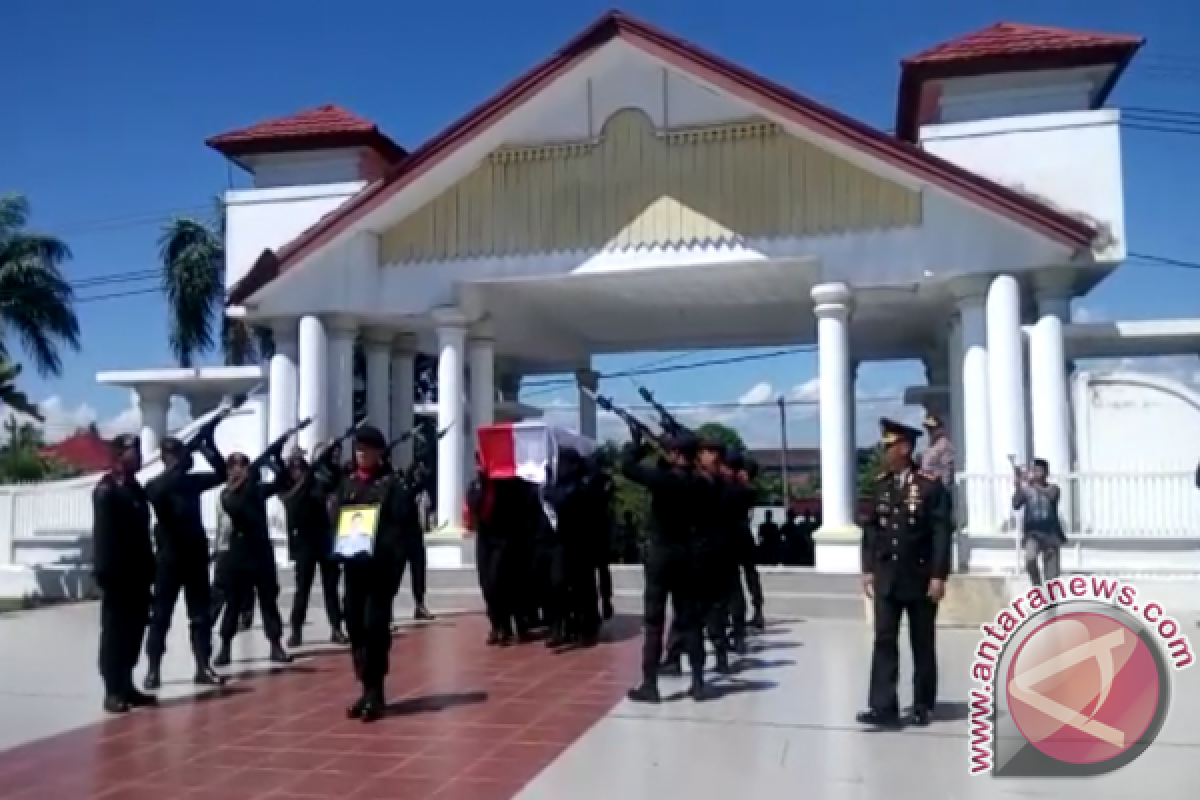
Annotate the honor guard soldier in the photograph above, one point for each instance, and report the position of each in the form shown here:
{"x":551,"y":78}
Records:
{"x":906,"y":552}
{"x":124,"y":569}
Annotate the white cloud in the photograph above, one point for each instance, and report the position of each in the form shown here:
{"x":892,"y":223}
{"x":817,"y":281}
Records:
{"x":61,"y":420}
{"x":758,"y":394}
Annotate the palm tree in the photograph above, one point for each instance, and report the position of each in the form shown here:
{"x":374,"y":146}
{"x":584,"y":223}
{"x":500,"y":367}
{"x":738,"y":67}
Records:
{"x":36,"y":302}
{"x":10,"y":396}
{"x":192,"y":253}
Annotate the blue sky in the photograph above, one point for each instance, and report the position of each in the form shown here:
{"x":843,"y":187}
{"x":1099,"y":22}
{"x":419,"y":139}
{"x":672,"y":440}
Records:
{"x":107,"y":114}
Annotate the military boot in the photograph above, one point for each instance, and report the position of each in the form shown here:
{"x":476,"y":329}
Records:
{"x":224,"y":654}
{"x":153,"y":680}
{"x":296,"y":639}
{"x":278,"y":655}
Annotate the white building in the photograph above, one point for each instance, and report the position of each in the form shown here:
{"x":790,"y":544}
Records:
{"x":635,"y":192}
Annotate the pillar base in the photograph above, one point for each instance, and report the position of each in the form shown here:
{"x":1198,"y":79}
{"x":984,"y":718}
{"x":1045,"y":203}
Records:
{"x":838,"y":549}
{"x":449,"y":548}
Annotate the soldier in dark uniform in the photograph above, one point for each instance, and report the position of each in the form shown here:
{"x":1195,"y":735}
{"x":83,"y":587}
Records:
{"x":124,"y":572}
{"x":906,"y":554}
{"x":715,"y":505}
{"x":310,"y":545}
{"x":372,"y":579}
{"x":742,"y":498}
{"x":670,"y":565}
{"x":182,"y":552}
{"x":251,"y":557}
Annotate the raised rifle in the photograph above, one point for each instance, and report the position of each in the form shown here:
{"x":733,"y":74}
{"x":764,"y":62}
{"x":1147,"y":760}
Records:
{"x":666,"y":420}
{"x":637,"y":428}
{"x":274,"y":450}
{"x":206,"y":431}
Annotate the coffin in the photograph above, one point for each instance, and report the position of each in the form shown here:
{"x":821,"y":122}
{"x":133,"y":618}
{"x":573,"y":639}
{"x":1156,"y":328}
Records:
{"x":528,"y":449}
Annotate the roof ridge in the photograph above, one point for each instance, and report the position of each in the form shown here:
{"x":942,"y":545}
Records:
{"x":712,"y":69}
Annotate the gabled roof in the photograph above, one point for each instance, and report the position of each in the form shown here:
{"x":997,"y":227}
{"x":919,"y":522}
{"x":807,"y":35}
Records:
{"x":1009,"y":47}
{"x":326,"y":127}
{"x":85,"y":450}
{"x":688,"y":58}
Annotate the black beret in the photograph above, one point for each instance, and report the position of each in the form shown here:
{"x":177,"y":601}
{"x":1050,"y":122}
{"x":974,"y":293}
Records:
{"x":370,"y":436}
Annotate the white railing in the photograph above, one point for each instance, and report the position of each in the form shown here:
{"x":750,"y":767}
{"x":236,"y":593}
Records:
{"x":45,"y":512}
{"x":1136,"y":504}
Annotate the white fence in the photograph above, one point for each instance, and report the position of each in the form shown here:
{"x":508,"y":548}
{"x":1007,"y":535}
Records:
{"x":1134,"y":505}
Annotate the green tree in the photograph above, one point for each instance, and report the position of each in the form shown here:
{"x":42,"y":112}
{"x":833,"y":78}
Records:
{"x":192,"y":255}
{"x":10,"y":396}
{"x":21,"y":457}
{"x":727,"y":436}
{"x":36,"y":302}
{"x":869,"y":469}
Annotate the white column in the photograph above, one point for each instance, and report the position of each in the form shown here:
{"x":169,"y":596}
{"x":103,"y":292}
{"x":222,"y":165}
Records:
{"x":403,"y":387}
{"x":852,"y":439}
{"x":954,"y":384}
{"x":1006,"y":373}
{"x":833,"y":305}
{"x":153,"y":402}
{"x":451,"y":335}
{"x":340,"y":387}
{"x":587,"y":379}
{"x":312,"y":370}
{"x":377,"y":346}
{"x":283,"y":380}
{"x":1050,"y":407}
{"x":481,"y":359}
{"x":975,"y":447}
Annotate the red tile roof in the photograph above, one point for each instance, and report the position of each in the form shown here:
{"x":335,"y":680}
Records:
{"x":1014,"y":39}
{"x":318,"y":128}
{"x":738,"y":81}
{"x":1009,"y":47}
{"x":86,"y":451}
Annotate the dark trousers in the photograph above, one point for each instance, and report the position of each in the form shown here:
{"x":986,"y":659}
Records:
{"x":331,"y":573}
{"x":670,"y":575}
{"x":583,"y":601}
{"x":371,"y":586}
{"x":550,"y":584}
{"x":220,"y":597}
{"x":885,"y":658}
{"x":737,"y":598}
{"x":491,"y":563}
{"x":249,"y":576}
{"x":414,"y":553}
{"x":191,"y":577}
{"x":716,"y":574}
{"x":124,"y":615}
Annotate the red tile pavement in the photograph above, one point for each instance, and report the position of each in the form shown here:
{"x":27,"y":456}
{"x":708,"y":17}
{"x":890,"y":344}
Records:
{"x":466,"y":722}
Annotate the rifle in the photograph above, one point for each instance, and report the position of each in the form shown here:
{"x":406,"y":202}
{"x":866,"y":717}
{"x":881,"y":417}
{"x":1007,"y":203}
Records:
{"x":670,"y":425}
{"x":412,"y":433}
{"x":636,"y":427}
{"x":205,"y":432}
{"x":274,"y":450}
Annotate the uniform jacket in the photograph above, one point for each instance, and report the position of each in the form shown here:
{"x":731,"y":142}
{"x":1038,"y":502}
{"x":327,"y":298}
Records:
{"x":670,"y":496}
{"x":123,"y":554}
{"x":246,"y":505}
{"x":907,"y":540}
{"x":175,"y":496}
{"x":395,"y":493}
{"x":310,"y":529}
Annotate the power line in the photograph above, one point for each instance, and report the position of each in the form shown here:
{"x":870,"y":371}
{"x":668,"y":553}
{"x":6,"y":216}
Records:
{"x":683,"y":408}
{"x":552,"y":385}
{"x":1165,"y":261}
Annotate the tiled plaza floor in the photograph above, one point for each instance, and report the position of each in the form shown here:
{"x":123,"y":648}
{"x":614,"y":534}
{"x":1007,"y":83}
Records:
{"x":466,"y":721}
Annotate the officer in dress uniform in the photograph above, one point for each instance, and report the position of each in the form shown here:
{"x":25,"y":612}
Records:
{"x":906,"y":553}
{"x":124,"y":571}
